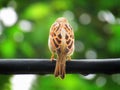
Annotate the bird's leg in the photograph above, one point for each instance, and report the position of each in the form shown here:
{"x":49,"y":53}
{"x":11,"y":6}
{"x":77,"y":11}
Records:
{"x":52,"y":57}
{"x":68,"y":58}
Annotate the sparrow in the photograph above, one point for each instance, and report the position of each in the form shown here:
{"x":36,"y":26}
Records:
{"x":61,"y":43}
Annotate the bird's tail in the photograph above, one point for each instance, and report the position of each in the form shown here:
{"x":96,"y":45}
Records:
{"x":60,"y":66}
{"x":61,"y":62}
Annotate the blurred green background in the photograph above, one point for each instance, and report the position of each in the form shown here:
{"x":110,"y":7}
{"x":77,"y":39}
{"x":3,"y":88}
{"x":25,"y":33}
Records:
{"x":24,"y":30}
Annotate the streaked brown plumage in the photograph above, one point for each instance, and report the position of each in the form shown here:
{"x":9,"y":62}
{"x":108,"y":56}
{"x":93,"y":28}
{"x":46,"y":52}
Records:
{"x":61,"y":42}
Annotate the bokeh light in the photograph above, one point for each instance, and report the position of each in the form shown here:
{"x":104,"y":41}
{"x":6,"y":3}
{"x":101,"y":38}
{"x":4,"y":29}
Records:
{"x":79,"y":46}
{"x":18,"y":36}
{"x":91,"y":54}
{"x":8,"y":16}
{"x":25,"y":25}
{"x":101,"y":81}
{"x":12,"y":3}
{"x":89,"y":76}
{"x":69,"y":15}
{"x":106,"y":16}
{"x":85,"y":19}
{"x":116,"y":78}
{"x":22,"y":82}
{"x":75,"y":26}
{"x":118,"y":20}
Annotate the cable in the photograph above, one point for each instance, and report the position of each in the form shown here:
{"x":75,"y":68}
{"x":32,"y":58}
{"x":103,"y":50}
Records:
{"x":45,"y":66}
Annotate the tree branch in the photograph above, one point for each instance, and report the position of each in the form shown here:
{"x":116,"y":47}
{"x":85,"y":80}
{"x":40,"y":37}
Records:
{"x":45,"y":66}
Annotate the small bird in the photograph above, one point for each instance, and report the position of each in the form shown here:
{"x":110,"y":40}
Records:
{"x":61,"y":43}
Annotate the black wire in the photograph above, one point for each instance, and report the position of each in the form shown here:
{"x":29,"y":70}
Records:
{"x":45,"y":66}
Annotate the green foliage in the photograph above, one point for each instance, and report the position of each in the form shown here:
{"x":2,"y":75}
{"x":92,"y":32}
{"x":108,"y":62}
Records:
{"x":71,"y":82}
{"x":37,"y":11}
{"x":96,"y":26}
{"x":5,"y":82}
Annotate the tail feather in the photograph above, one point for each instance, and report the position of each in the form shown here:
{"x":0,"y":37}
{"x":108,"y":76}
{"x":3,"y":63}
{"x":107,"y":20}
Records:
{"x":63,"y":71}
{"x":60,"y":67}
{"x":61,"y":62}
